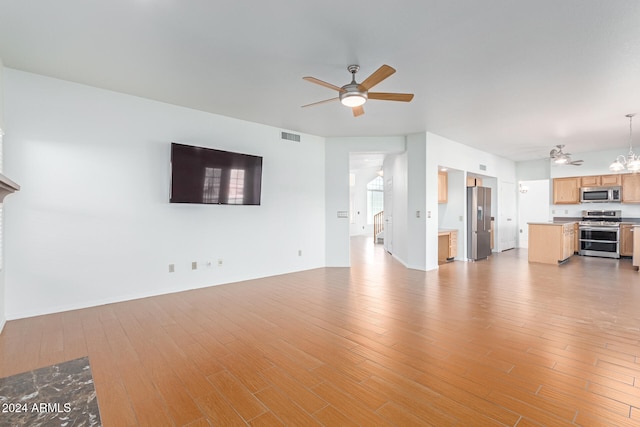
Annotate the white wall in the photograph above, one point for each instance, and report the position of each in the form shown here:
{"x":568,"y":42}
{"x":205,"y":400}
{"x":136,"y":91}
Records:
{"x":533,"y":170}
{"x":416,"y":218}
{"x":337,"y":188}
{"x":92,"y":223}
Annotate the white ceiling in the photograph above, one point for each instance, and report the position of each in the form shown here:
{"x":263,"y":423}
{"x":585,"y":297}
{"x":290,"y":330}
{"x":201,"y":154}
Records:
{"x":509,"y":77}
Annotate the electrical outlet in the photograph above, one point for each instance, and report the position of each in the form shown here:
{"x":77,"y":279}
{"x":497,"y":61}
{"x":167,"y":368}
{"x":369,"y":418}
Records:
{"x":219,"y":262}
{"x":194,"y":265}
{"x":172,"y":268}
{"x":299,"y":252}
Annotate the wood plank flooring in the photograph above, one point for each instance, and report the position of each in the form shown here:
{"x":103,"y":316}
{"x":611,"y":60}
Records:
{"x":499,"y":342}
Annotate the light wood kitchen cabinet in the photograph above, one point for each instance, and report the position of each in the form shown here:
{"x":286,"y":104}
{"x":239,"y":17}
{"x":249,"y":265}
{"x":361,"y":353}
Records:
{"x":551,"y":243}
{"x":453,"y":244}
{"x":630,"y":188}
{"x":566,"y":191}
{"x":636,"y":247}
{"x":626,"y":240}
{"x":492,"y":233}
{"x":443,"y":187}
{"x":600,"y":180}
{"x":474,"y":182}
{"x":568,"y":235}
{"x":447,"y":245}
{"x":610,"y":180}
{"x":590,"y":181}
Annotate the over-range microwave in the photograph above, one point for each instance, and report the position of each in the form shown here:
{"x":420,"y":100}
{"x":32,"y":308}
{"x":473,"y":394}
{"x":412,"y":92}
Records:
{"x":601,"y":194}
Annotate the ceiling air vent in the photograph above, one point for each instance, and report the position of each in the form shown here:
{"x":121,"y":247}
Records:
{"x":483,"y":167}
{"x":290,"y":136}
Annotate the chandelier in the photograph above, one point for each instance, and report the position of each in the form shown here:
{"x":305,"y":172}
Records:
{"x":631,"y":161}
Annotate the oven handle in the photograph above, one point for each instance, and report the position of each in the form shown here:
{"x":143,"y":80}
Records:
{"x":599,"y":241}
{"x":589,"y":228}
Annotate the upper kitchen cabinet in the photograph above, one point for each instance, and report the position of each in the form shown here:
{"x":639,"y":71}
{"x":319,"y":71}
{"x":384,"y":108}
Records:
{"x":611,"y":180}
{"x":630,"y":188}
{"x":600,"y":181}
{"x":443,"y":187}
{"x":566,"y":191}
{"x":474,"y":182}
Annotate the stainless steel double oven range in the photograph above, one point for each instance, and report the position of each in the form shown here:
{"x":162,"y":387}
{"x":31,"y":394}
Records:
{"x":600,"y":233}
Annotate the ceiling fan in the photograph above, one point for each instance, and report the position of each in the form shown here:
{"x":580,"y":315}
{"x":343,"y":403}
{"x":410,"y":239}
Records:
{"x":355,"y":94}
{"x":559,"y":157}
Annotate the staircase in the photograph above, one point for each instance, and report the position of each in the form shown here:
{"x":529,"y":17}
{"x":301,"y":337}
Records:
{"x":378,"y":227}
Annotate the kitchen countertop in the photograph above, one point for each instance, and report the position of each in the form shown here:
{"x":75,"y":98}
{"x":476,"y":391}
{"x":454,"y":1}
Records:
{"x":443,"y":231}
{"x":552,"y":222}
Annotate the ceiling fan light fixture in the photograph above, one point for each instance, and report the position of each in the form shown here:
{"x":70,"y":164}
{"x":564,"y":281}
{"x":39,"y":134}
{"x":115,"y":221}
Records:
{"x":353,"y":99}
{"x":561,"y":160}
{"x":354,"y":94}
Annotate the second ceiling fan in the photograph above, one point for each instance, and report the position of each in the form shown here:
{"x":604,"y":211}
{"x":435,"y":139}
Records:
{"x":559,"y":157}
{"x":355,"y":94}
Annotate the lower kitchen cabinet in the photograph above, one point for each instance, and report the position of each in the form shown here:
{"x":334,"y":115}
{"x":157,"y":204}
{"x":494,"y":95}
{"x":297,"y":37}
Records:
{"x":636,"y":246}
{"x":447,"y":245}
{"x":551,"y":243}
{"x":626,"y":239}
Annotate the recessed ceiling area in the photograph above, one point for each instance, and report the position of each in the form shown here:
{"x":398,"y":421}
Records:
{"x":510,"y":78}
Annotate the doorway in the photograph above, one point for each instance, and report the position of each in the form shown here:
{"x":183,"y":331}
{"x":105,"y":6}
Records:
{"x":533,"y":206}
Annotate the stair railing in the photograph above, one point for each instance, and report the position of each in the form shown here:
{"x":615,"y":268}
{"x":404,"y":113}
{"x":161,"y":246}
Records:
{"x":378,"y":225}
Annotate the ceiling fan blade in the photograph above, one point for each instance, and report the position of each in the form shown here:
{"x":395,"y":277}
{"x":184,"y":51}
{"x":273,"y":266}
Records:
{"x":358,"y":111}
{"x":320,"y":102}
{"x":403,"y":97}
{"x":321,"y":83}
{"x":379,"y":75}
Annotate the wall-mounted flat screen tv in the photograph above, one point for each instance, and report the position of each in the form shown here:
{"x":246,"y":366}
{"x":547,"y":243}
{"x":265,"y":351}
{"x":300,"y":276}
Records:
{"x":207,"y":176}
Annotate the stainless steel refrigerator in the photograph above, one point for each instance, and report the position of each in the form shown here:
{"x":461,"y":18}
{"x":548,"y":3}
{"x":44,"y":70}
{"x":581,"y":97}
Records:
{"x":478,"y":222}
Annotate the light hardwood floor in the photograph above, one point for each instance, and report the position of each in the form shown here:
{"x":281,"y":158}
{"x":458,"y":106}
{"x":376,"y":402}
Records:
{"x":496,"y":342}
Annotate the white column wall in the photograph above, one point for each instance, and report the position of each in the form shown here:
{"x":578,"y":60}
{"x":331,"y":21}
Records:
{"x":416,"y":202}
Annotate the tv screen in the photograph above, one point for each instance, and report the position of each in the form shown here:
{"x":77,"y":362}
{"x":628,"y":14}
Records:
{"x":207,"y":176}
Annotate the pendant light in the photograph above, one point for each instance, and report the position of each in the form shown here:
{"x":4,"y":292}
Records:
{"x":631,"y":161}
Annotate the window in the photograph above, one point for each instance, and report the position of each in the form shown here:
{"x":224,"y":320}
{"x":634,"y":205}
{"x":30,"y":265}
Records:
{"x":375,"y":198}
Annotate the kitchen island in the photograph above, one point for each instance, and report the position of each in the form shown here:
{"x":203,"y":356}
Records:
{"x":551,"y":242}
